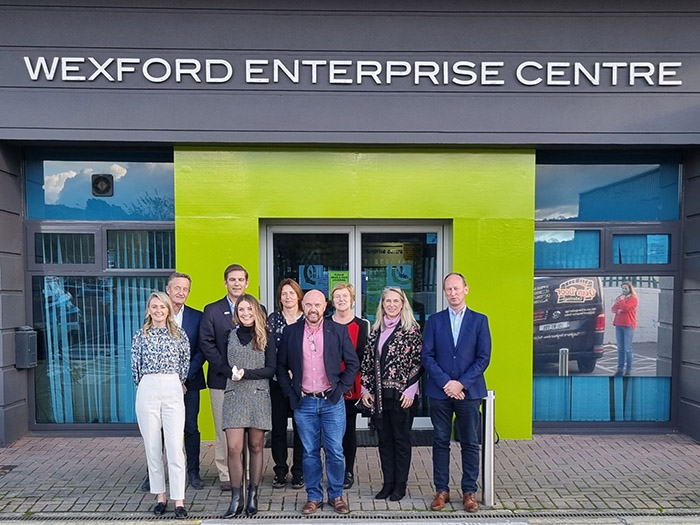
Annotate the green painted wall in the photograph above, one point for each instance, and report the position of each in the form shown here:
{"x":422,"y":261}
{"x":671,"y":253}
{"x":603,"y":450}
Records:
{"x":488,"y":195}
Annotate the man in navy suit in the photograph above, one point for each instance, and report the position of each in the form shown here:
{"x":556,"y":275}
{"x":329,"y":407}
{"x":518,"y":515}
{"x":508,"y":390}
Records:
{"x":456,"y":352}
{"x":178,"y":289}
{"x":311,"y":374}
{"x":214,"y":329}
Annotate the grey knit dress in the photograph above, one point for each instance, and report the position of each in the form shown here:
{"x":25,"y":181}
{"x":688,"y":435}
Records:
{"x":246,"y":402}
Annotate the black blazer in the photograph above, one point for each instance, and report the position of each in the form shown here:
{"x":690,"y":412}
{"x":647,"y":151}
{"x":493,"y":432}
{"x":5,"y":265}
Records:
{"x":337,"y":348}
{"x":190,"y":324}
{"x":214,"y":330}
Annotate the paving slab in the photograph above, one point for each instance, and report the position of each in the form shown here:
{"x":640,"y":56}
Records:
{"x":648,"y":476}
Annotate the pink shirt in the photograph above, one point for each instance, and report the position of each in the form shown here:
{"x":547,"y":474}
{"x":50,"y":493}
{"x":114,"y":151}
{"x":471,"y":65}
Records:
{"x":313,"y":377}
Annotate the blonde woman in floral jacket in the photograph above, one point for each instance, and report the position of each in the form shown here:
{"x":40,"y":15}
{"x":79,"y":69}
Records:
{"x":391,"y":368}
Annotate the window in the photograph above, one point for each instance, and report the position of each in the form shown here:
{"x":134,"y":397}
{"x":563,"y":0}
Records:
{"x":604,"y":221}
{"x":91,"y":274}
{"x":64,"y":185}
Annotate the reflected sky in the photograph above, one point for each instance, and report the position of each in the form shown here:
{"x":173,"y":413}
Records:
{"x":558,"y":187}
{"x":142,"y":191}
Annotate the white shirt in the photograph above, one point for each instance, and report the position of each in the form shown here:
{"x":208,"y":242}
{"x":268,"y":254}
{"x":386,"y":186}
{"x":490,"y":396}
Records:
{"x":179,"y":316}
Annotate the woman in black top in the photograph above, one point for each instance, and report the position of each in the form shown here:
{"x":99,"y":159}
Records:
{"x":252,"y":359}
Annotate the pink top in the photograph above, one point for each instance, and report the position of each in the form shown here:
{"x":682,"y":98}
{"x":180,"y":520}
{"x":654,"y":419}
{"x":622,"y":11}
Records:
{"x":313,"y":377}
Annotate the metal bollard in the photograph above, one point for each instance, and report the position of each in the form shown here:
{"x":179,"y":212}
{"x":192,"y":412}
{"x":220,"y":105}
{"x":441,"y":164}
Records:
{"x":563,"y":361}
{"x":488,"y":446}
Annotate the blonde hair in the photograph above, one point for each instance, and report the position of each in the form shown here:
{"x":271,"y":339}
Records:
{"x":407,"y":319}
{"x":170,"y":323}
{"x":344,"y":286}
{"x":259,"y":323}
{"x":631,"y":287}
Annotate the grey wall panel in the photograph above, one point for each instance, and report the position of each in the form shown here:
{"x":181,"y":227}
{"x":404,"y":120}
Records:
{"x":13,"y":423}
{"x":14,"y":386}
{"x":691,"y":275}
{"x":388,"y":25}
{"x":332,"y":117}
{"x":688,"y":383}
{"x":401,"y":113}
{"x":11,"y":272}
{"x":690,"y":346}
{"x":12,"y":309}
{"x":11,"y":196}
{"x":691,"y":234}
{"x":689,"y":419}
{"x":10,"y":232}
{"x":7,"y":349}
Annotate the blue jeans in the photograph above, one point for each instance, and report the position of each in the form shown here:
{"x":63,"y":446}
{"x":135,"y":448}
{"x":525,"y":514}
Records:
{"x":624,"y":335}
{"x":468,"y":425}
{"x":316,"y":417}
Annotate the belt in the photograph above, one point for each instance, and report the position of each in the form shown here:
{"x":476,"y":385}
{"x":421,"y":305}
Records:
{"x":320,"y":395}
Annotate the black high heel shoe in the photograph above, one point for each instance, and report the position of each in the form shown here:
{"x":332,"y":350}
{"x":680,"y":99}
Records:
{"x":236,"y":506}
{"x":252,"y":506}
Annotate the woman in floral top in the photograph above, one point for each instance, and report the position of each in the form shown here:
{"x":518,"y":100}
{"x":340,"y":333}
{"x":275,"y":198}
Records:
{"x":391,"y":368}
{"x":160,"y":360}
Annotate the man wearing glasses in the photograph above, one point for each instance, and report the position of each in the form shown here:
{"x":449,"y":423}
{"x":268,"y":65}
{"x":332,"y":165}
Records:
{"x":311,"y":374}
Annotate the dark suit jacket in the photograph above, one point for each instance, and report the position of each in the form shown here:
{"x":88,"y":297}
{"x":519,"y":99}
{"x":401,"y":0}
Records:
{"x":337,"y":348}
{"x":214,"y":329}
{"x":190,"y":324}
{"x":466,"y":362}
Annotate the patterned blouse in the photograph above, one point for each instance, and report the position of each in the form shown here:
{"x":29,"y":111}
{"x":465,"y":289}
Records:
{"x":159,"y":353}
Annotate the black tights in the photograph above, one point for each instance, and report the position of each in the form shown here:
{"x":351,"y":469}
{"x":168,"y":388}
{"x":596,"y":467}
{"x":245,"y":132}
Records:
{"x":234,"y":439}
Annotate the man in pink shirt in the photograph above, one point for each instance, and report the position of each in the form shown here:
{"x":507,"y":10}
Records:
{"x":310,"y":373}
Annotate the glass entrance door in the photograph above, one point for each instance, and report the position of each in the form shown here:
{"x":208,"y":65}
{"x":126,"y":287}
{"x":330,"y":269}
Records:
{"x":368,"y":255}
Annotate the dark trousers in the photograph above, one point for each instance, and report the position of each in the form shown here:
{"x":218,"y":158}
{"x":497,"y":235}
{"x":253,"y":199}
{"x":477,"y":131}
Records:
{"x":468,"y":420}
{"x":394,"y":434}
{"x":350,"y":437}
{"x":278,"y":435}
{"x":192,"y":438}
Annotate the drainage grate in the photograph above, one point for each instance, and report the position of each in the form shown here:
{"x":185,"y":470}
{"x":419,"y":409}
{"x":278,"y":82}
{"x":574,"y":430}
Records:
{"x":363,"y":516}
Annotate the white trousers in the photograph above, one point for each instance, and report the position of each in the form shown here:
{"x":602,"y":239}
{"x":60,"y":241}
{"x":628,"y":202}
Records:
{"x":160,"y":404}
{"x":220,"y":447}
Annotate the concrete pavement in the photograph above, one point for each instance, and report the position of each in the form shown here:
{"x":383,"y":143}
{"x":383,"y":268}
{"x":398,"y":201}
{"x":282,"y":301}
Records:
{"x":640,"y":479}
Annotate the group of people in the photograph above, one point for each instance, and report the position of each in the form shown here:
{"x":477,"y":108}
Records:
{"x":321,"y":370}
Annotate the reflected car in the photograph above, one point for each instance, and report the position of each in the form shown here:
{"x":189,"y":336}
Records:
{"x":569,"y":313}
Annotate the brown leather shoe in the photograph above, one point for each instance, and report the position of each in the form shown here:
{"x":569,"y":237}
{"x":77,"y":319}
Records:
{"x":439,"y":501}
{"x":310,"y":507}
{"x":339,"y":505}
{"x":469,"y":501}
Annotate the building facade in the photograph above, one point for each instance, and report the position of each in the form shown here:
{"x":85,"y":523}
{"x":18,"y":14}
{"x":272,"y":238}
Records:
{"x":550,"y":153}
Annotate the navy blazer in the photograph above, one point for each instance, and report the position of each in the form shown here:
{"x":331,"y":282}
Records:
{"x":214,"y":330}
{"x":337,"y":349}
{"x":190,"y":324}
{"x":465,"y":362}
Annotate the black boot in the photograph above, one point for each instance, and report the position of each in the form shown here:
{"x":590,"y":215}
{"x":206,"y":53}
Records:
{"x":252,"y":506}
{"x":398,"y":493}
{"x":387,"y":489}
{"x":236,"y":506}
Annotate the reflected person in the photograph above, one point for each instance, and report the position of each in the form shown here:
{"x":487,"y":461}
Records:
{"x":625,"y":322}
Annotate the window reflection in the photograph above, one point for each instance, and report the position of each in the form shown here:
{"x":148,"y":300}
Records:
{"x":62,"y":190}
{"x":576,"y":350}
{"x":607,"y":192}
{"x":576,"y":314}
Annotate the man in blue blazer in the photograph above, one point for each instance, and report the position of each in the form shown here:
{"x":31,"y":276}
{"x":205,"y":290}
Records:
{"x":456,"y":352}
{"x":214,"y":329}
{"x":178,"y":289}
{"x":311,"y":374}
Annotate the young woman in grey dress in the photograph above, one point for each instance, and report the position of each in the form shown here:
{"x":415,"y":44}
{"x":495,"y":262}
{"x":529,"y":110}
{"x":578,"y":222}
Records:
{"x":252,"y":358}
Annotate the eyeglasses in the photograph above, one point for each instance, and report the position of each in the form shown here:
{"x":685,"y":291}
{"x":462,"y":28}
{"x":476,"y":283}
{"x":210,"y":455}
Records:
{"x":312,"y":343}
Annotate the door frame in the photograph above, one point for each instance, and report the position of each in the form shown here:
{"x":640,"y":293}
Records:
{"x":354,"y":229}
